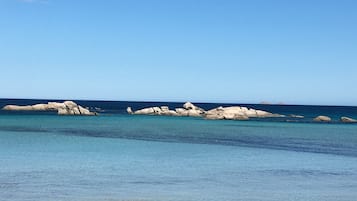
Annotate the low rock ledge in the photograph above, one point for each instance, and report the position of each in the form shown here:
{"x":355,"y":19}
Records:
{"x":189,"y":109}
{"x":65,"y":108}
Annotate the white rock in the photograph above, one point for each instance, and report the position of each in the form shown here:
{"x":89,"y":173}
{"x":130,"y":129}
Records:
{"x":251,"y":113}
{"x":40,"y":107}
{"x":169,"y":113}
{"x":240,"y":117}
{"x":262,"y":113}
{"x":189,"y":109}
{"x":65,"y":108}
{"x":189,"y":106}
{"x":149,"y":110}
{"x":348,"y":120}
{"x":214,"y":116}
{"x":228,"y":116}
{"x":17,"y":108}
{"x":63,"y":111}
{"x":164,"y":108}
{"x":232,"y":110}
{"x":76,"y":111}
{"x":55,"y":105}
{"x":236,"y":112}
{"x":129,"y":110}
{"x":244,"y":109}
{"x":84,"y":111}
{"x":70,"y":104}
{"x":181,"y":111}
{"x":194,"y":113}
{"x":157,"y":110}
{"x":322,"y":119}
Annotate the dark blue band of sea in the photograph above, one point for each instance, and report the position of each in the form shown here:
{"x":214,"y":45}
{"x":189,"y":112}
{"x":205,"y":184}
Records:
{"x":251,"y":138}
{"x":119,"y":107}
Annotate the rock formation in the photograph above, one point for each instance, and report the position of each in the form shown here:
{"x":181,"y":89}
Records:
{"x":129,"y":110}
{"x":322,"y":119}
{"x":348,"y":120}
{"x":189,"y":109}
{"x":237,"y":113}
{"x":163,"y":110}
{"x":65,"y":108}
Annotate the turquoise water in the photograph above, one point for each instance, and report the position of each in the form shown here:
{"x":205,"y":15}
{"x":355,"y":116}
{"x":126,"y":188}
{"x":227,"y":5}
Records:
{"x":123,"y":157}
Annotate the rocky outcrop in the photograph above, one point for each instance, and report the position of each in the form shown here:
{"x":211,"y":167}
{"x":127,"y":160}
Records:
{"x":322,"y":119}
{"x":163,"y":110}
{"x":65,"y":108}
{"x":237,"y":113}
{"x":189,"y":109}
{"x":348,"y":120}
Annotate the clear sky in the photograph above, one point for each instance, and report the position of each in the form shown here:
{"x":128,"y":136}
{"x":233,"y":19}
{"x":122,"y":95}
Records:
{"x":296,"y":52}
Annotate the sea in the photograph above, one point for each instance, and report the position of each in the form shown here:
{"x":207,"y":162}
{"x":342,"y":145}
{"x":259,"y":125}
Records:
{"x":120,"y":157}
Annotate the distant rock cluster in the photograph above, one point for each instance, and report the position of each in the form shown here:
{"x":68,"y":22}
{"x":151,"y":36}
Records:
{"x":65,"y":108}
{"x":328,"y":119}
{"x":223,"y":113}
{"x":189,"y":109}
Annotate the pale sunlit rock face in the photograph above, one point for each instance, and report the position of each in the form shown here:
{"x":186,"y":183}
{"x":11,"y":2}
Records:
{"x":322,"y":119}
{"x":348,"y":120}
{"x":65,"y":108}
{"x":191,"y":110}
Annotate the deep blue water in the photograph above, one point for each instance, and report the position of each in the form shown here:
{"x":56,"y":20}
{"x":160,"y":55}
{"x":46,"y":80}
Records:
{"x":119,"y":107}
{"x":116,"y":156}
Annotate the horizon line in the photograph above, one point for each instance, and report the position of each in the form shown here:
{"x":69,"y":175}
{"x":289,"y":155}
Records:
{"x":173,"y":101}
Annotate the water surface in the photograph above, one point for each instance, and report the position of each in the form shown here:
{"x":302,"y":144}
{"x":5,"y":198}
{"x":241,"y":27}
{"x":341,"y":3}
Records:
{"x":121,"y":157}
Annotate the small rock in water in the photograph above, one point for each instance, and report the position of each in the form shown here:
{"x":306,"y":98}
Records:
{"x":322,"y":119}
{"x":348,"y":120}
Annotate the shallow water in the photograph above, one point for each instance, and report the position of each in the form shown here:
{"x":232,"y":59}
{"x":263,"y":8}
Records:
{"x":123,"y":157}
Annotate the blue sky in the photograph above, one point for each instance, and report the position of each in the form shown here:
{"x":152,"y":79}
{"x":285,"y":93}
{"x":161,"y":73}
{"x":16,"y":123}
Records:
{"x":296,"y":52}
